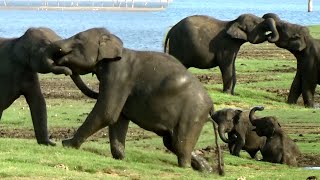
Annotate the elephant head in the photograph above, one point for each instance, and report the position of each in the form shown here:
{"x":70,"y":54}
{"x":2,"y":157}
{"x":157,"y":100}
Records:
{"x":254,"y":29}
{"x":265,"y":126}
{"x":33,"y":45}
{"x":291,"y":36}
{"x":225,"y":119}
{"x":84,"y":50}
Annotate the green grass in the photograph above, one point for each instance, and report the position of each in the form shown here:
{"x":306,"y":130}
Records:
{"x":260,"y":82}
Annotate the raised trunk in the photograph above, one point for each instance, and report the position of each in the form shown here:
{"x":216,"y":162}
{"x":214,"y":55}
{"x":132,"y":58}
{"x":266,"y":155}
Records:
{"x":83,"y":87}
{"x":274,"y":36}
{"x":253,"y":110}
{"x":222,"y":133}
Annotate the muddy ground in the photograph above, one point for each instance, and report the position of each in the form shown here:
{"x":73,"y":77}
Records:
{"x":63,"y":88}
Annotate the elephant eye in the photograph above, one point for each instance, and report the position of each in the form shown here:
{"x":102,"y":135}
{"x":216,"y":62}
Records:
{"x":295,"y":36}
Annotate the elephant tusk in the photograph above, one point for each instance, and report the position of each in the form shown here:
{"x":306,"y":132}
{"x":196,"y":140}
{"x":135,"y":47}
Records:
{"x":268,"y":33}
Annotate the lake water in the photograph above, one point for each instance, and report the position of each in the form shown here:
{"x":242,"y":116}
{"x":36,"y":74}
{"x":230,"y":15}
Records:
{"x":146,"y":30}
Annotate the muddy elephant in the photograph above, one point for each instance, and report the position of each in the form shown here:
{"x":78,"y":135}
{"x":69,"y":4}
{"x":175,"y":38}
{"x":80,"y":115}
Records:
{"x":297,"y":39}
{"x":279,"y":147}
{"x":236,"y":124}
{"x":205,"y":42}
{"x":20,"y":60}
{"x":151,"y":89}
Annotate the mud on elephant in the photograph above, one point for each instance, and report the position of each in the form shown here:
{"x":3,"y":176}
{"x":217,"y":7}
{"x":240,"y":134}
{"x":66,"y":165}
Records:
{"x":151,"y":89}
{"x":20,"y":60}
{"x":205,"y":42}
{"x":237,"y":125}
{"x":279,"y":147}
{"x":297,"y":39}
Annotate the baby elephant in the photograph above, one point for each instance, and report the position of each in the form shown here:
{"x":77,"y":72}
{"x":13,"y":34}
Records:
{"x":236,"y":123}
{"x":151,"y":89}
{"x":279,"y":148}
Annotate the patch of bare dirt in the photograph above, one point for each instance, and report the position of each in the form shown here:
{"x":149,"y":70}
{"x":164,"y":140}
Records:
{"x":57,"y":134}
{"x":64,"y":88}
{"x":263,"y":51}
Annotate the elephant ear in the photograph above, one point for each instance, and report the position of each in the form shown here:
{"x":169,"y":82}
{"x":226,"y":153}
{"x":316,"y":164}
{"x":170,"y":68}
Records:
{"x":236,"y":117}
{"x":236,"y":31}
{"x":110,"y":47}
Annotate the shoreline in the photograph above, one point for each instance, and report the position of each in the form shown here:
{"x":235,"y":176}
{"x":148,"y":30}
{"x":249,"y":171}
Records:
{"x":81,"y":8}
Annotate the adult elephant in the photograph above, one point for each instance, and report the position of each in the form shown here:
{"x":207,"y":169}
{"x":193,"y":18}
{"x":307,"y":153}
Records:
{"x":20,"y":60}
{"x":205,"y":42}
{"x":297,"y":39}
{"x":241,"y":136}
{"x":151,"y":89}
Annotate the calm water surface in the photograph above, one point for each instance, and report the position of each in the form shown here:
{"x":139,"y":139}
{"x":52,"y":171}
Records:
{"x":146,"y":30}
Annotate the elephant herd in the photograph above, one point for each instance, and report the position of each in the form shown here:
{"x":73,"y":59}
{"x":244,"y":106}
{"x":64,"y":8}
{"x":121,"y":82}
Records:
{"x":155,"y":90}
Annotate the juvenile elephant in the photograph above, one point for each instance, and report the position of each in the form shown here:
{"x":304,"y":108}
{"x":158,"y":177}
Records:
{"x":306,"y":49}
{"x":20,"y":60}
{"x":279,"y":148}
{"x":205,"y":42}
{"x":236,"y":123}
{"x":151,"y":89}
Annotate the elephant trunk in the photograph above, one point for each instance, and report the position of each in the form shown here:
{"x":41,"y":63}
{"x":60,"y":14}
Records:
{"x":83,"y":87}
{"x":274,"y":36}
{"x":253,"y":110}
{"x":222,"y":133}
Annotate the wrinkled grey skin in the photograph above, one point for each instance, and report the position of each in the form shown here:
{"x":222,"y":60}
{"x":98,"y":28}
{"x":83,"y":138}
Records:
{"x":237,"y":125}
{"x":21,"y":58}
{"x":151,"y":89}
{"x":205,"y":42}
{"x":279,"y":148}
{"x":306,"y":49}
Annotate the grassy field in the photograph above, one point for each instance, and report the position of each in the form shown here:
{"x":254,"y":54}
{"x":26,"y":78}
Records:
{"x":264,"y":75}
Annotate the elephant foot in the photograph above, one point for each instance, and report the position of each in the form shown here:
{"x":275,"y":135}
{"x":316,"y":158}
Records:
{"x":228,"y":92}
{"x":117,"y":154}
{"x":71,"y":143}
{"x":47,"y":143}
{"x":199,"y":163}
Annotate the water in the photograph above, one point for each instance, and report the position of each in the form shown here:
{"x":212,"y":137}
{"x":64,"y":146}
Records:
{"x":146,"y":30}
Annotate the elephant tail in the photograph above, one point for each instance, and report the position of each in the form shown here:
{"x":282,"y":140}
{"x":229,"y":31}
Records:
{"x":218,"y":151}
{"x":166,"y":41}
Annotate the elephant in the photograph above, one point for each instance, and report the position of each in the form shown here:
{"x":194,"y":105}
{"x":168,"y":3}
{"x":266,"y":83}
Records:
{"x":236,"y":123}
{"x":205,"y":42}
{"x":297,"y":39}
{"x":21,"y":59}
{"x":151,"y":89}
{"x":279,"y":147}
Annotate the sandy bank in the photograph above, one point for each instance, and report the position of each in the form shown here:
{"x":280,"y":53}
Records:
{"x":79,"y":8}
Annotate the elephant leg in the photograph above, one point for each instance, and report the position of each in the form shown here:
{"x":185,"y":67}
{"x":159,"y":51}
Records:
{"x":117,"y":136}
{"x":185,"y":136}
{"x":113,"y":93}
{"x":34,"y":97}
{"x":228,"y":77}
{"x":308,"y":90}
{"x":253,"y":154}
{"x":197,"y":162}
{"x":238,"y":146}
{"x":93,"y":123}
{"x":231,"y":147}
{"x":295,"y":90}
